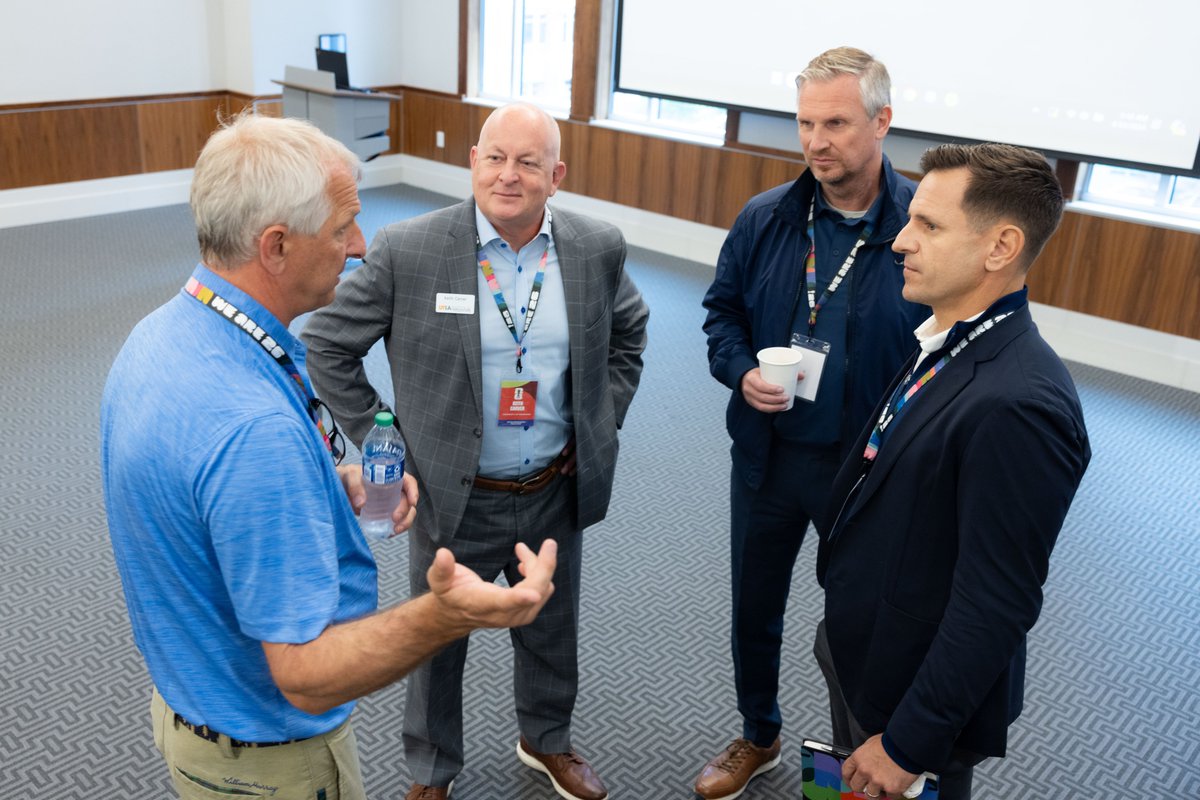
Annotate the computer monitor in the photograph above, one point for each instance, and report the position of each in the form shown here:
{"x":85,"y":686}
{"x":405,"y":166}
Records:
{"x":335,"y":62}
{"x":332,"y":41}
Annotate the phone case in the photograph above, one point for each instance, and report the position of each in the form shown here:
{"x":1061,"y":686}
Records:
{"x":821,"y":774}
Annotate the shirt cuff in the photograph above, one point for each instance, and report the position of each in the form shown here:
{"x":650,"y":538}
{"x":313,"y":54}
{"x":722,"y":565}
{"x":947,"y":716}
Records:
{"x":897,"y":755}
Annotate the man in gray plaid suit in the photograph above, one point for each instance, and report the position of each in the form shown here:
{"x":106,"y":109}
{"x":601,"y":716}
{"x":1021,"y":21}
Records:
{"x":514,"y":337}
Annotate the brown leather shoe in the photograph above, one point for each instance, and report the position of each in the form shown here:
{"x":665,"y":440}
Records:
{"x":726,"y":776}
{"x":572,"y":777}
{"x":420,"y":791}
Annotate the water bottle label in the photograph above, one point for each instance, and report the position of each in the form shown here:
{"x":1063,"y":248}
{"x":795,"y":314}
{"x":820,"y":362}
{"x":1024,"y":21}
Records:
{"x":381,"y":473}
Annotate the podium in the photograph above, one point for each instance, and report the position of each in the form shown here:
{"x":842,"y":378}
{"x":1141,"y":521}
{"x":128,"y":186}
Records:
{"x":358,"y":120}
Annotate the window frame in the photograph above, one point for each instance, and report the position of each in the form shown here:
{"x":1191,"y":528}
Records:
{"x":1161,"y":205}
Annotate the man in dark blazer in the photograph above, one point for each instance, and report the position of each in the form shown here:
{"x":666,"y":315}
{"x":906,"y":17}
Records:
{"x":514,"y":337}
{"x":950,"y":505}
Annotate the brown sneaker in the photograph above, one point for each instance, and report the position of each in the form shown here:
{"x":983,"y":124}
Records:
{"x":726,"y":776}
{"x":572,"y":777}
{"x":420,"y":791}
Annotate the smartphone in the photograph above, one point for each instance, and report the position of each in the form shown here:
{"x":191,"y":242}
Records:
{"x":821,"y":774}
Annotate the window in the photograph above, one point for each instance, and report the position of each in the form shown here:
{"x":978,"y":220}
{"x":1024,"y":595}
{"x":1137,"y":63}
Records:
{"x":526,"y":49}
{"x":672,"y":115}
{"x":1144,"y":191}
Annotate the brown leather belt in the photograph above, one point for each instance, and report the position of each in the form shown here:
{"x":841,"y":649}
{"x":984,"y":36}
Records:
{"x":534,"y":483}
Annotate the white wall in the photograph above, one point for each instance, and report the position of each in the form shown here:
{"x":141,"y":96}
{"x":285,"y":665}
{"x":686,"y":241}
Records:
{"x":59,"y":50}
{"x":285,"y":32}
{"x":80,"y":49}
{"x":427,"y":43}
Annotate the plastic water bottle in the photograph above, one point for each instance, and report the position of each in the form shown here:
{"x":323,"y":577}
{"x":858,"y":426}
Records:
{"x":383,"y":476}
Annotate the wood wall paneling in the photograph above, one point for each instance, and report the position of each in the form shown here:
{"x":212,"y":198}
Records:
{"x":1050,"y":277}
{"x":61,"y":142}
{"x":590,"y":154}
{"x":68,"y":144}
{"x":171,"y":134}
{"x":585,"y":59}
{"x":1124,"y":271}
{"x":423,"y":115}
{"x":1138,"y":274}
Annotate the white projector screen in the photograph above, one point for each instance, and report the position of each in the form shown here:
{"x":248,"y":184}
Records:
{"x":1097,"y":81}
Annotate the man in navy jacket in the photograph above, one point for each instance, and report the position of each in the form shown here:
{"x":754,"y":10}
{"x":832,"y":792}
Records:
{"x":951,"y":502}
{"x":840,"y":217}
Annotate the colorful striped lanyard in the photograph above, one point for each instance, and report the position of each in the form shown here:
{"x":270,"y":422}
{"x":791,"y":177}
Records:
{"x":489,"y":274}
{"x":902,"y":396}
{"x":810,"y":270}
{"x":240,"y":319}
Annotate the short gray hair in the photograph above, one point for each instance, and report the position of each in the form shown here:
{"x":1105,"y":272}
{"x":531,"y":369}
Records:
{"x":258,"y":171}
{"x":874,"y":83}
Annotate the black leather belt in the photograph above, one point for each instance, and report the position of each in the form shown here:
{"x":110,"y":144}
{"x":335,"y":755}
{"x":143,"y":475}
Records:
{"x":207,"y":733}
{"x":532,"y":484}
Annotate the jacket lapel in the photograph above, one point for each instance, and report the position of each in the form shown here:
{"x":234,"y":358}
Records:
{"x":929,"y":402}
{"x":572,"y":265}
{"x":460,"y":263}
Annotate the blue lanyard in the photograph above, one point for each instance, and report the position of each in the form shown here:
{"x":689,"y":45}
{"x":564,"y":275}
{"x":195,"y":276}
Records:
{"x":241,"y":320}
{"x":908,"y":389}
{"x":489,"y":274}
{"x":810,"y":270}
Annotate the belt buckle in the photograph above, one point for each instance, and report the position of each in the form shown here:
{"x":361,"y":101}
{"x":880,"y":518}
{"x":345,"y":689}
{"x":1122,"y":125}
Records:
{"x":536,"y":482}
{"x":528,"y":485}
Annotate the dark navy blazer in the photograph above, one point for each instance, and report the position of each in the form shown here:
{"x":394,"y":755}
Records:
{"x":933,"y":574}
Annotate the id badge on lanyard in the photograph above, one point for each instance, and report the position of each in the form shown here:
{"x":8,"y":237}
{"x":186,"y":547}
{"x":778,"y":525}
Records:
{"x":815,"y":352}
{"x":518,"y":403}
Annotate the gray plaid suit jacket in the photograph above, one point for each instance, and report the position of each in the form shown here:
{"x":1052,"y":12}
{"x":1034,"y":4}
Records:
{"x":435,"y":358}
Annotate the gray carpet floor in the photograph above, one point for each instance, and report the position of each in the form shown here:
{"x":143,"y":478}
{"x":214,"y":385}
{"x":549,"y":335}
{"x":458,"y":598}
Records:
{"x":1112,"y":701}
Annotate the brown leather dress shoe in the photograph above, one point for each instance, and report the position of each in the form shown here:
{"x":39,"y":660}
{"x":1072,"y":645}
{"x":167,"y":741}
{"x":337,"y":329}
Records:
{"x":420,"y":791}
{"x":572,"y":776}
{"x":726,"y":776}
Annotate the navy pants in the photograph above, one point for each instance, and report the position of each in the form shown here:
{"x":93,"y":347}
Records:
{"x":767,"y":527}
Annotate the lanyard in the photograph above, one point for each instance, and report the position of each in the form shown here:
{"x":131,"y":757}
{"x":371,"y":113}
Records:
{"x":240,"y":319}
{"x":489,"y":274}
{"x":902,"y":396}
{"x":810,"y":270}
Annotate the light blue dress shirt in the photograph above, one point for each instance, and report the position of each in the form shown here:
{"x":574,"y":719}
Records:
{"x":516,"y":452}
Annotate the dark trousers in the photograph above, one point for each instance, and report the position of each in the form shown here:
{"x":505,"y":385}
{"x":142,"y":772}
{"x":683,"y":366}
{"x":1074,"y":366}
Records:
{"x":954,"y":778}
{"x":767,"y":527}
{"x":545,"y":658}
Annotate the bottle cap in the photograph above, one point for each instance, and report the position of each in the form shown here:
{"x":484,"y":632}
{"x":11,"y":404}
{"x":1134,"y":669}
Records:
{"x":384,"y":419}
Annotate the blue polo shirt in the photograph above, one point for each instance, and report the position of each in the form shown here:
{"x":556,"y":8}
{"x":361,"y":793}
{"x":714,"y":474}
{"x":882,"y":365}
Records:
{"x":820,"y":422}
{"x":228,"y":520}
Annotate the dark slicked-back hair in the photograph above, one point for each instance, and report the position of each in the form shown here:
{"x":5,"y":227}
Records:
{"x":1006,"y":183}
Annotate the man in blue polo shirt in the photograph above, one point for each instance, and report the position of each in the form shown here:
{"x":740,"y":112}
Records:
{"x":251,"y":590}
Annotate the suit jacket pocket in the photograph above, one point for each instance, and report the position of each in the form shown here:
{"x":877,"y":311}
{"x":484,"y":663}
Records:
{"x":897,"y":648}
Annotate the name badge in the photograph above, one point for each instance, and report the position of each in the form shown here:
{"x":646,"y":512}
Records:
{"x":447,"y":303}
{"x":518,"y":403}
{"x":815,"y":353}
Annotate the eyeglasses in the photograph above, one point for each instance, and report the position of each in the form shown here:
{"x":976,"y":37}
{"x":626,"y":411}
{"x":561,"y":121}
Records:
{"x":329,"y":429}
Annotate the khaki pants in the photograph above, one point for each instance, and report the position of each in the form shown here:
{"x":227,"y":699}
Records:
{"x":321,"y":768}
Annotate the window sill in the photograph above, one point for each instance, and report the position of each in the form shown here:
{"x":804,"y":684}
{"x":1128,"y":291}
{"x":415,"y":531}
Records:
{"x":660,"y":133}
{"x":497,"y":102}
{"x":1156,"y":219}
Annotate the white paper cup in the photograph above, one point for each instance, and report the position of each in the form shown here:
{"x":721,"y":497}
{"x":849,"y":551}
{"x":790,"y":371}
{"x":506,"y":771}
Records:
{"x":780,"y":366}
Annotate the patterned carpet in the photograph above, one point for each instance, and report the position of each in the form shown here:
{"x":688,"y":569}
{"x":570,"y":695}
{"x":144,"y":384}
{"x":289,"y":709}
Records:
{"x":1112,"y":703}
